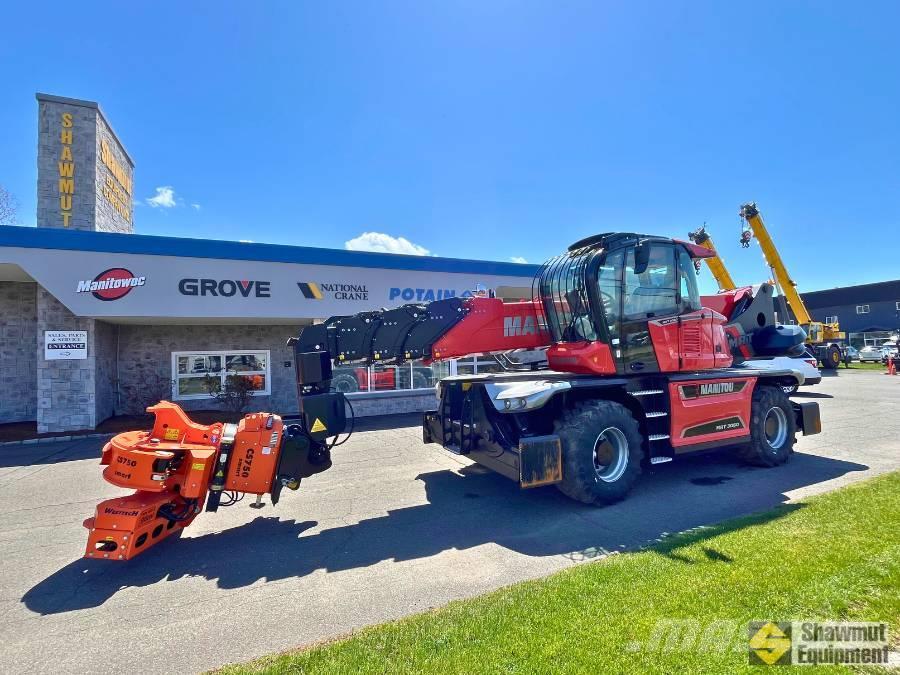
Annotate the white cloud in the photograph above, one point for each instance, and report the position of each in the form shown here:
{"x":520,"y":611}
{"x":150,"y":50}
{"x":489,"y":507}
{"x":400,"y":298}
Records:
{"x":384,"y":243}
{"x":246,"y":241}
{"x":518,"y":259}
{"x":165,"y":197}
{"x":196,"y":207}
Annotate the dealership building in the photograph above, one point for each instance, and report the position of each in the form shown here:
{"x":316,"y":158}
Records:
{"x":99,"y":321}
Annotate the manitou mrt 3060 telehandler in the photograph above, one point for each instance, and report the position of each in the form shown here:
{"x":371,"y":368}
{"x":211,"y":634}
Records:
{"x":638,"y":369}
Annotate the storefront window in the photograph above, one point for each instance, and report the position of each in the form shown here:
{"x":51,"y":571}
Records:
{"x":192,"y":370}
{"x":477,"y":364}
{"x":378,"y":377}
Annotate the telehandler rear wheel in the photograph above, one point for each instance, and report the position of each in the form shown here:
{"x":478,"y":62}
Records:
{"x":601,"y":452}
{"x":772,"y":428}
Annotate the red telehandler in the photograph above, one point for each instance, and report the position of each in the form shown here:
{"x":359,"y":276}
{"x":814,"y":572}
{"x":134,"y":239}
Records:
{"x":638,"y":368}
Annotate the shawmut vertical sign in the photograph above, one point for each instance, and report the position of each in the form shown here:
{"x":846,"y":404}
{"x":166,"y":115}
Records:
{"x":66,"y":166}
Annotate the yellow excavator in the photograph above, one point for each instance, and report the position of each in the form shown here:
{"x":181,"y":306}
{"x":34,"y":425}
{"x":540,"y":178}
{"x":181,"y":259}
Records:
{"x":822,"y":338}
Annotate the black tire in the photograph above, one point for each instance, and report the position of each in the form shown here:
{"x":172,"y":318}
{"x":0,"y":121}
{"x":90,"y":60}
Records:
{"x":790,"y":389}
{"x":772,"y":428}
{"x":580,"y":431}
{"x":344,"y":383}
{"x":831,"y":357}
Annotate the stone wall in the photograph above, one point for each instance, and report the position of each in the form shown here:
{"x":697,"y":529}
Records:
{"x":76,"y":188}
{"x":111,"y":191}
{"x":145,"y":362}
{"x":104,"y":343}
{"x":18,"y":356}
{"x":50,"y":157}
{"x":392,"y":403}
{"x":65,"y":389}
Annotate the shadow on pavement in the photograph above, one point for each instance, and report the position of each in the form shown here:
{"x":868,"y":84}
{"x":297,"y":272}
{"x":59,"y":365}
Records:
{"x":51,"y":453}
{"x":810,"y":394}
{"x":464,"y":510}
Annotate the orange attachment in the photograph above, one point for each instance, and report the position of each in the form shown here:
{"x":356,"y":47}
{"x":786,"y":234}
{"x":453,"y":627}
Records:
{"x":170,"y":468}
{"x":255,"y":454}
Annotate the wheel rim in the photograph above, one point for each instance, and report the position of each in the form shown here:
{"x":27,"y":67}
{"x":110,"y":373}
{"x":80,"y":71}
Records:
{"x":776,"y":427}
{"x":610,"y":455}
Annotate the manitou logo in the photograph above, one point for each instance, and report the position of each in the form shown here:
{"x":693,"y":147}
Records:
{"x":515,"y":326}
{"x":112,"y":284}
{"x":716,"y":388}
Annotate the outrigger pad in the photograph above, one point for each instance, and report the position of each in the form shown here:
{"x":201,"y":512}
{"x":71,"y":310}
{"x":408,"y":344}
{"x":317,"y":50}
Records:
{"x":441,"y":316}
{"x":353,"y":335}
{"x":391,"y":334}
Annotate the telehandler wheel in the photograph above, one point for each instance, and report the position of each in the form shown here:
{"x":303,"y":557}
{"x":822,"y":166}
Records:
{"x":772,"y":428}
{"x":831,"y":357}
{"x":601,"y":452}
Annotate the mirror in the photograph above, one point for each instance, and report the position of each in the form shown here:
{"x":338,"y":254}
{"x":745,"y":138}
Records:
{"x":641,"y":257}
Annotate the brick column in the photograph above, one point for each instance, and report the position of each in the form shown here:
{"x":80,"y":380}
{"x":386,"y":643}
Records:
{"x":66,"y":390}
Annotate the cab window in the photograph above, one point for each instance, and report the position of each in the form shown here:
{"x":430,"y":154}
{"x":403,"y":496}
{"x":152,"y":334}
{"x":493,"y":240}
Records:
{"x":609,"y":283}
{"x":688,"y":293}
{"x":652,"y":292}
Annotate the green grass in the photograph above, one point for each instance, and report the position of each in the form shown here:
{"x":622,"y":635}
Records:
{"x":856,"y":365}
{"x":835,"y":556}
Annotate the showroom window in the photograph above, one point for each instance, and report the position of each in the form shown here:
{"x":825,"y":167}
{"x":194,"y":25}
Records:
{"x":192,"y":368}
{"x":862,"y":309}
{"x":360,"y":378}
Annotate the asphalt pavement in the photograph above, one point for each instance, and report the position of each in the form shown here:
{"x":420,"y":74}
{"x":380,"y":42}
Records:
{"x":395,"y":527}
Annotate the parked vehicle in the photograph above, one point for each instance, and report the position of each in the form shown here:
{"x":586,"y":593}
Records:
{"x":807,"y":365}
{"x":851,"y":353}
{"x":348,"y":380}
{"x":870,"y":354}
{"x":888,"y":350}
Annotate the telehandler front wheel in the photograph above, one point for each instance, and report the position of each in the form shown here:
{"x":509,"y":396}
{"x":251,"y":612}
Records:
{"x":601,"y":452}
{"x":772,"y":428}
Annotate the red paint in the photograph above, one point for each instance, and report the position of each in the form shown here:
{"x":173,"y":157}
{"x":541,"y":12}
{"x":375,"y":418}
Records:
{"x":692,"y":341}
{"x":588,"y":358}
{"x":695,"y":250}
{"x":492,"y":325}
{"x":725,"y":301}
{"x":687,"y":413}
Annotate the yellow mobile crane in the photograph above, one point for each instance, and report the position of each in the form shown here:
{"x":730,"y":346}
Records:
{"x":821,"y":337}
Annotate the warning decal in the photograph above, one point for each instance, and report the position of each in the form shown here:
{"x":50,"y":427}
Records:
{"x":172,"y":434}
{"x":318,"y":426}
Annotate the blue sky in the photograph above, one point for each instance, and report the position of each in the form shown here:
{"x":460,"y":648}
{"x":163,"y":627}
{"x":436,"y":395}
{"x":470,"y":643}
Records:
{"x":486,"y":129}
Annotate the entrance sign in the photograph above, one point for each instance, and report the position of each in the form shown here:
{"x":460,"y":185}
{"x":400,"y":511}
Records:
{"x":65,"y":345}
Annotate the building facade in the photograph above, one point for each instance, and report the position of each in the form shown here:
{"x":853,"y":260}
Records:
{"x":99,"y":324}
{"x":868,"y":313}
{"x":99,"y":321}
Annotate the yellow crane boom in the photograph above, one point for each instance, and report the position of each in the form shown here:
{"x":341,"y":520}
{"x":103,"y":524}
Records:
{"x":820,"y":335}
{"x":701,"y":237}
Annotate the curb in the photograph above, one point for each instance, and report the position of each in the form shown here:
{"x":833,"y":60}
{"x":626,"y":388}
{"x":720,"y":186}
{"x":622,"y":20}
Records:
{"x":52,"y":439}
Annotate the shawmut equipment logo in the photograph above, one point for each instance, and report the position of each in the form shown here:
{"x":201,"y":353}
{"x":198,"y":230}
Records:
{"x":111,"y":284}
{"x":312,"y":290}
{"x":769,"y":643}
